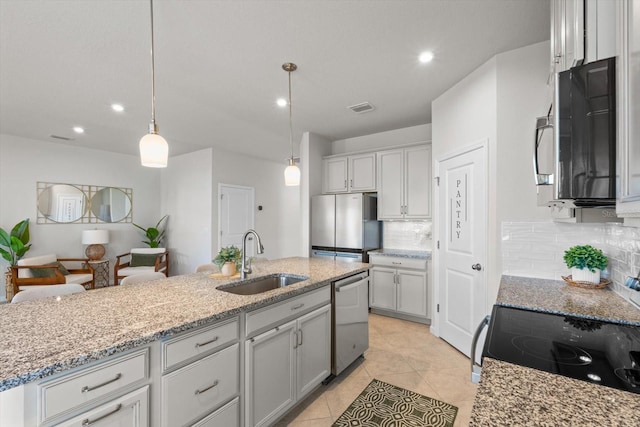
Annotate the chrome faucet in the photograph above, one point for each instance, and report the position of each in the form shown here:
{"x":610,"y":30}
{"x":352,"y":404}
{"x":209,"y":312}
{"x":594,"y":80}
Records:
{"x":246,"y":268}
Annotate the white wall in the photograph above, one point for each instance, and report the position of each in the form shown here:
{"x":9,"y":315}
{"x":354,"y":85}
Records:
{"x":382,"y":140}
{"x":24,"y":162}
{"x":498,"y":102}
{"x":187,"y":197}
{"x":278,"y":224}
{"x":312,"y":148}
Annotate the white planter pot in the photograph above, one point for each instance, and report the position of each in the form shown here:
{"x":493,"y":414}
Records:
{"x":585,"y":275}
{"x":228,"y":269}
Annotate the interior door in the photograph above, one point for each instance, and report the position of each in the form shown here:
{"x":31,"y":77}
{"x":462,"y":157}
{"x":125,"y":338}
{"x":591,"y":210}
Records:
{"x":235,"y":213}
{"x":462,"y":234}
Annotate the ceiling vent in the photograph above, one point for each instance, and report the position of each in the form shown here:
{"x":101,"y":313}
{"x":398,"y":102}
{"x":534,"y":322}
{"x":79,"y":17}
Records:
{"x":363,"y":107}
{"x":64,"y":138}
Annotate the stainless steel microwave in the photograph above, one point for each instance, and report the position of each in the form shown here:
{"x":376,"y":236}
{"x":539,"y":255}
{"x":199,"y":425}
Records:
{"x":582,"y":169}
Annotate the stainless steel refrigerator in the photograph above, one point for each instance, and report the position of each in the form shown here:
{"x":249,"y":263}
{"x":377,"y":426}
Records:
{"x":345,"y":226}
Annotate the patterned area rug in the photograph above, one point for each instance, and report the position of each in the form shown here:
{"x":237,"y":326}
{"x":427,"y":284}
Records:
{"x":385,"y":405}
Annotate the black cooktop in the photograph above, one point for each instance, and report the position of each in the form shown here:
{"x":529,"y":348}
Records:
{"x":590,"y":350}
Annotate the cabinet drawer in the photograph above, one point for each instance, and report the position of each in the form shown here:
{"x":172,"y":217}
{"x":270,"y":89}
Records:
{"x":227,"y":416}
{"x":129,"y":410}
{"x":191,"y":345}
{"x":195,"y":390}
{"x":65,"y":393}
{"x":267,"y":317}
{"x":398,"y":262}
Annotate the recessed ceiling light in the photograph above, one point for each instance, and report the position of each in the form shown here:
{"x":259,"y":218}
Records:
{"x":78,"y":129}
{"x":425,"y":57}
{"x":281,"y":102}
{"x":117,"y":107}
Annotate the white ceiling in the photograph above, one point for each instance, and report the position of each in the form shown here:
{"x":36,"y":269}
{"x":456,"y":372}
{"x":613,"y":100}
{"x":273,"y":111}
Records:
{"x":218,"y":66}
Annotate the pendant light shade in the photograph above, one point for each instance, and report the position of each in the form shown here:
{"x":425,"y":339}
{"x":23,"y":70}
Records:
{"x":292,"y":172}
{"x":154,"y":150}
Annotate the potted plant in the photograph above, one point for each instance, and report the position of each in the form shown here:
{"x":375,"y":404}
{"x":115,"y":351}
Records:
{"x":228,"y":260}
{"x":13,"y":246}
{"x":153,"y":234}
{"x":585,"y":263}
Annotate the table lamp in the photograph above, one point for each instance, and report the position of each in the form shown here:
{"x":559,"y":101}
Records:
{"x":95,"y":239}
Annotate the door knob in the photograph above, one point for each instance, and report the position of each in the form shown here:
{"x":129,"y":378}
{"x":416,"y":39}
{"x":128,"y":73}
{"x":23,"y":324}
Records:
{"x":476,"y":267}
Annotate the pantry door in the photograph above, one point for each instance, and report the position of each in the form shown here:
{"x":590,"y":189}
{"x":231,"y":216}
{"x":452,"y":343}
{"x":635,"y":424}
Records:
{"x":461,"y":245}
{"x":235,"y":215}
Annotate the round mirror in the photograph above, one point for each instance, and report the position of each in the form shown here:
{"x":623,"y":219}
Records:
{"x":62,"y":203}
{"x":110,"y":205}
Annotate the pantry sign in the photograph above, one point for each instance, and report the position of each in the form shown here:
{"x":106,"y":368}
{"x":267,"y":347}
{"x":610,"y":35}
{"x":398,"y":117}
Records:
{"x":458,"y":190}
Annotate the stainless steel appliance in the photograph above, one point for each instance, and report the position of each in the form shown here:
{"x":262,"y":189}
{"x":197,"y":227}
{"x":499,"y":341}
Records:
{"x":577,"y":167}
{"x":350,"y":320}
{"x":344,"y":226}
{"x":586,"y":349}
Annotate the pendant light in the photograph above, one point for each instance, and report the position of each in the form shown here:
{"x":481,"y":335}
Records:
{"x":292,"y":172}
{"x":154,"y":149}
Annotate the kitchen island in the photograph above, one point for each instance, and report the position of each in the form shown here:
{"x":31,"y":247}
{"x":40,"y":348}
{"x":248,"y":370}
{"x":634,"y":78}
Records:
{"x":45,"y":337}
{"x":510,"y":394}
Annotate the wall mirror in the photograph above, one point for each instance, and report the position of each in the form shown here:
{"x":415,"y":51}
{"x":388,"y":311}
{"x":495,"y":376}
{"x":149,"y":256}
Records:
{"x":60,"y":203}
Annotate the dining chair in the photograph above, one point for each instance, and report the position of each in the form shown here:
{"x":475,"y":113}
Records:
{"x":47,"y":291}
{"x":142,"y":277}
{"x":206,"y":267}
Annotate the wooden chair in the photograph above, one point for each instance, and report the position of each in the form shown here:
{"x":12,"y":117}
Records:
{"x":141,"y":260}
{"x":51,"y":270}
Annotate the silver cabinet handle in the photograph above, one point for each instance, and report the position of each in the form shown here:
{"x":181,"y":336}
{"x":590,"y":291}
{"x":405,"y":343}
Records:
{"x":300,"y":338}
{"x":295,"y":307}
{"x":202,"y":344}
{"x":91,"y":388}
{"x":396,"y":263}
{"x":88,"y":422}
{"x":197,"y":392}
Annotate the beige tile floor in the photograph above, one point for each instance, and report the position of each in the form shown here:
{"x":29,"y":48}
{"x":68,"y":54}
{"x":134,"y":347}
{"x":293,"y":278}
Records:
{"x":401,"y":353}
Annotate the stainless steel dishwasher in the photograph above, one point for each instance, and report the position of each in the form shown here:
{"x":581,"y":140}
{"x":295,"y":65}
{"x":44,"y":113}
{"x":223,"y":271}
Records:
{"x":350,"y":320}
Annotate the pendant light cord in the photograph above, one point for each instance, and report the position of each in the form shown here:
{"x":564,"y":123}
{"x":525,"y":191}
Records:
{"x":290,"y":125}
{"x":153,"y":80}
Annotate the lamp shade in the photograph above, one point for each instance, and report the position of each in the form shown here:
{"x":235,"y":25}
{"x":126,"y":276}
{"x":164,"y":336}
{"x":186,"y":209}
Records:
{"x":154,"y":151}
{"x":95,"y":237}
{"x":292,"y":175}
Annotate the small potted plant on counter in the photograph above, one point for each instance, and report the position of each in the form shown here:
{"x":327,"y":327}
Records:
{"x":228,"y":259}
{"x":586,"y":263}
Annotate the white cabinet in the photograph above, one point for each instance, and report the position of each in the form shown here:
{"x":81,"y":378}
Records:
{"x":399,"y":287}
{"x":285,"y":363}
{"x":567,"y":34}
{"x":600,"y":31}
{"x":404,"y":183}
{"x":353,"y":174}
{"x":130,"y":410}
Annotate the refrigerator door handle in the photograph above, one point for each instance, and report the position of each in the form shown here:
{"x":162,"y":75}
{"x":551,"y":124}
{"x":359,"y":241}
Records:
{"x":475,"y":368}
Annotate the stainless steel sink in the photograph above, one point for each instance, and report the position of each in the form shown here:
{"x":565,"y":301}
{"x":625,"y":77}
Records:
{"x":262,"y":284}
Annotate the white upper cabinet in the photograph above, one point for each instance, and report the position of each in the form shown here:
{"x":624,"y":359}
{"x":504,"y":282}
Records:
{"x":628,"y":104}
{"x":600,"y":23}
{"x":353,"y":174}
{"x":567,"y":34}
{"x":404,"y":183}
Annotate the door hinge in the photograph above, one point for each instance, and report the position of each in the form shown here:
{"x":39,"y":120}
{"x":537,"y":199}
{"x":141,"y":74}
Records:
{"x":437,"y":308}
{"x":221,"y":232}
{"x":221,"y":196}
{"x":437,"y":178}
{"x":438,"y":244}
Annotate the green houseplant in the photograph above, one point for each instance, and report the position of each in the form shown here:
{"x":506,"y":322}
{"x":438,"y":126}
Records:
{"x":153,"y":234}
{"x":585,"y":262}
{"x":228,"y":260}
{"x":15,"y":244}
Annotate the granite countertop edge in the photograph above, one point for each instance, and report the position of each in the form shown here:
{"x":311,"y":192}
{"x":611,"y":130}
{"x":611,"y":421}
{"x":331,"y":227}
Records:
{"x":253,"y":302}
{"x":402,"y":253}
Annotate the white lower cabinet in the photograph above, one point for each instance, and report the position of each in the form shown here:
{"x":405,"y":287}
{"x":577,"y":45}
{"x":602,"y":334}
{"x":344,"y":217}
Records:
{"x":130,"y":410}
{"x":227,"y":416}
{"x":399,"y":287}
{"x":285,"y":363}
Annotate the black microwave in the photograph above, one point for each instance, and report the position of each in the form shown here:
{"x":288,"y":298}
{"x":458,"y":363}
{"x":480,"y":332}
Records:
{"x":585,"y":134}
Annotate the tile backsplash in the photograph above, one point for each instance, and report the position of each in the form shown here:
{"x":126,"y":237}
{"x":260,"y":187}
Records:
{"x":408,"y":235}
{"x":536,"y":249}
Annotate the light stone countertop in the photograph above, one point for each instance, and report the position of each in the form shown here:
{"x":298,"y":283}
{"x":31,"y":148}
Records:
{"x":509,"y":394}
{"x":556,"y":296}
{"x":402,"y":253}
{"x":512,"y":395}
{"x":43,"y":337}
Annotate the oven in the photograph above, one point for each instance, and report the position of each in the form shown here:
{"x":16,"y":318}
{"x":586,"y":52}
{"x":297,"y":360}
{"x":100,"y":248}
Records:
{"x":590,"y":350}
